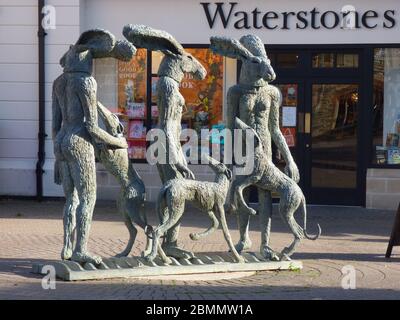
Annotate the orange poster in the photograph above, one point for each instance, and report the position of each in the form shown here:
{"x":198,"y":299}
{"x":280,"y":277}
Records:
{"x":204,"y":97}
{"x":132,"y":83}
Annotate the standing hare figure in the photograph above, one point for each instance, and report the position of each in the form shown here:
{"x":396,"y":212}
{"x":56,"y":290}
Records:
{"x":257,"y":104}
{"x":170,"y":102}
{"x":76,"y":132}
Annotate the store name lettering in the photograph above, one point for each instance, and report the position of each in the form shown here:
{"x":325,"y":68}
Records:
{"x":228,"y":14}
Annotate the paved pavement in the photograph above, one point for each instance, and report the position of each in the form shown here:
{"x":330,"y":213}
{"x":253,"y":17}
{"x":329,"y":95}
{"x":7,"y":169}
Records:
{"x":32,"y":232}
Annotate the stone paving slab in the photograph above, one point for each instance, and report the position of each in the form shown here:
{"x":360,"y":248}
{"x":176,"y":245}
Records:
{"x":31,"y":232}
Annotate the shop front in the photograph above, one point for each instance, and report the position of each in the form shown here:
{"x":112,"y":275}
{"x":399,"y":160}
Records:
{"x":337,"y":66}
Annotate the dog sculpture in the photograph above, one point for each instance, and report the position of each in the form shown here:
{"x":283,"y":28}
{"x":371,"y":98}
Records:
{"x":207,"y":196}
{"x":268,"y":177}
{"x":131,"y":198}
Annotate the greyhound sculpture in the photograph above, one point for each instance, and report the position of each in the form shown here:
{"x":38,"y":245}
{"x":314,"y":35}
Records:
{"x":130,"y":202}
{"x":207,"y":196}
{"x":267,"y":177}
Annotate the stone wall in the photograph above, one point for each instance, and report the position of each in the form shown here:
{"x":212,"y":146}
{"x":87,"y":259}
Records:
{"x":383,"y":189}
{"x":108,"y":187}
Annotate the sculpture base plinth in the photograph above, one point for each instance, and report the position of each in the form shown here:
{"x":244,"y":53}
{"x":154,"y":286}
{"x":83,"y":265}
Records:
{"x":132,"y":267}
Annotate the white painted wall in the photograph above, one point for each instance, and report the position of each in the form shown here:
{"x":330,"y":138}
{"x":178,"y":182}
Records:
{"x":18,"y":97}
{"x":56,"y":44}
{"x":19,"y":89}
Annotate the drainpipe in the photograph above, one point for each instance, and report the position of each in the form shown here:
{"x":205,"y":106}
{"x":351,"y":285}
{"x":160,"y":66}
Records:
{"x":42,"y":134}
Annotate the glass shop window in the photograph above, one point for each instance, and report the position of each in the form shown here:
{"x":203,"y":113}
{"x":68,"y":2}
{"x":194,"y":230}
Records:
{"x":122,"y":87}
{"x":386,"y":107}
{"x":335,"y":60}
{"x":204,"y":98}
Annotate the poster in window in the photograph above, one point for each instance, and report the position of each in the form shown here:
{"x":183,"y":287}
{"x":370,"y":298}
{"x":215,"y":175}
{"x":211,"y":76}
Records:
{"x":132,"y":82}
{"x":154,"y":111}
{"x":290,"y":136}
{"x":393,"y":156}
{"x":136,"y":110}
{"x":289,"y":116}
{"x":204,"y":97}
{"x":137,"y":149}
{"x":137,"y":130}
{"x":289,"y":94}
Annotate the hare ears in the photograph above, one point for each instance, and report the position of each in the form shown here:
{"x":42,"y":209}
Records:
{"x":101,"y":43}
{"x":145,"y":37}
{"x":233,"y":48}
{"x":239,"y":124}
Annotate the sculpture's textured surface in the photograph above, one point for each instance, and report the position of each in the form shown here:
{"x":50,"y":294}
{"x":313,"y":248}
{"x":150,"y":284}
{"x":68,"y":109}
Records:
{"x":76,"y":130}
{"x":131,"y":199}
{"x":207,"y":196}
{"x":257,"y":103}
{"x":266,"y":177}
{"x":170,"y":102}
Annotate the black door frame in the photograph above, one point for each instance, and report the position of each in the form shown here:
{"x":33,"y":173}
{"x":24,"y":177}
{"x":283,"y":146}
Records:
{"x":338,"y":196}
{"x":304,"y":76}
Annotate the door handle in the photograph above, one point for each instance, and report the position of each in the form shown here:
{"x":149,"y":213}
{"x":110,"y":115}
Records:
{"x":304,"y":125}
{"x":307,"y":123}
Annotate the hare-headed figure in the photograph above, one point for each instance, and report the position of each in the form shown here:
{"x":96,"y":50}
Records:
{"x":75,"y":131}
{"x":257,"y":104}
{"x":175,"y":64}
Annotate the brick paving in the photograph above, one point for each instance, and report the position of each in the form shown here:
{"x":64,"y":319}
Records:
{"x":32,"y":232}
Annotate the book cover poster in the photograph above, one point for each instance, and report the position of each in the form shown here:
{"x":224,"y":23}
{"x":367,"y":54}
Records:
{"x":393,"y":156}
{"x":154,"y":111}
{"x":137,"y":149}
{"x":205,"y":95}
{"x":289,"y":94}
{"x":132,"y":81}
{"x":136,"y":110}
{"x":137,"y":130}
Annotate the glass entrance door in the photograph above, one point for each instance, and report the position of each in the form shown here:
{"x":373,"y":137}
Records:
{"x":322,"y":95}
{"x":331,"y":122}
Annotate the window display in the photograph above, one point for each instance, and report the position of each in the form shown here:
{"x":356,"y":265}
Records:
{"x":123,"y":89}
{"x":386,"y":107}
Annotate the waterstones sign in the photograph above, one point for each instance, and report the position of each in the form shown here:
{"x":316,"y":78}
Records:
{"x":230,"y":15}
